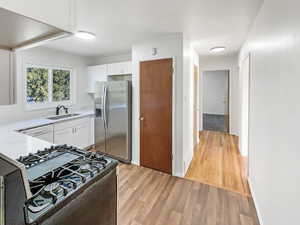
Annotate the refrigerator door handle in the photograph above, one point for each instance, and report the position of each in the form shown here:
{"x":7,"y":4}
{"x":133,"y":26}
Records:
{"x":104,"y":107}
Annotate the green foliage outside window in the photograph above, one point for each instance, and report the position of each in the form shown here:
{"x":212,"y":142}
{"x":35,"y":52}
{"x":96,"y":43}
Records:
{"x":37,"y":85}
{"x":61,"y":85}
{"x":39,"y":88}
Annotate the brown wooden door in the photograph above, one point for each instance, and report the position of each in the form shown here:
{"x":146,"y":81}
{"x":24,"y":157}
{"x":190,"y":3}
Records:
{"x":156,"y":114}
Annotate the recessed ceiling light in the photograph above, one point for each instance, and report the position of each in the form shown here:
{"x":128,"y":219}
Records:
{"x":85,"y":35}
{"x":217,"y":49}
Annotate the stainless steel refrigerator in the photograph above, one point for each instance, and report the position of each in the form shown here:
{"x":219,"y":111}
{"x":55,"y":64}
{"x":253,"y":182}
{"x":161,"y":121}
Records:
{"x":113,"y":119}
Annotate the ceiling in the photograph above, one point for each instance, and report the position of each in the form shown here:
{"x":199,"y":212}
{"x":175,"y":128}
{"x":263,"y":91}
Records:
{"x":118,"y":24}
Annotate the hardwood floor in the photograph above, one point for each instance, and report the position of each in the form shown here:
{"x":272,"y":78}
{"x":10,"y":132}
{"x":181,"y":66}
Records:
{"x":217,"y":162}
{"x":149,"y":197}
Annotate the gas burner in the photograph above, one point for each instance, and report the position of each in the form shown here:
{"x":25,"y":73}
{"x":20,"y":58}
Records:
{"x":84,"y":168}
{"x":53,"y":187}
{"x":30,"y":160}
{"x":96,"y":156}
{"x":87,"y":165}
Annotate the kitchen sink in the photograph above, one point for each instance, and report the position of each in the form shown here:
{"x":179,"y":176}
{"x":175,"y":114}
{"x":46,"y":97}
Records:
{"x":63,"y":116}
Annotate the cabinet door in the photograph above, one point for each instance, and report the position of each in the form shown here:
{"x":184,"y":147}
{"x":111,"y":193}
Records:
{"x":119,"y":68}
{"x":64,"y":136}
{"x":110,"y":69}
{"x":128,"y":67}
{"x":81,"y":136}
{"x":44,"y":133}
{"x":123,"y":68}
{"x":96,"y":73}
{"x":46,"y":137}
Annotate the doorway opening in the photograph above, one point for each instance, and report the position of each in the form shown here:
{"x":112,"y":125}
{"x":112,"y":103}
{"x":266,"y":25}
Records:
{"x":216,"y":100}
{"x":217,"y":160}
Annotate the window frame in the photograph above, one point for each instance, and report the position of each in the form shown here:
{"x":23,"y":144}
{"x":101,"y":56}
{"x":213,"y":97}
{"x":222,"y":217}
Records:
{"x":50,"y":103}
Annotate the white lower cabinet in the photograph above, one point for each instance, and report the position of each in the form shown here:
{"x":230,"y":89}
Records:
{"x":63,"y":136}
{"x":76,"y":132}
{"x":81,"y":136}
{"x":44,"y":133}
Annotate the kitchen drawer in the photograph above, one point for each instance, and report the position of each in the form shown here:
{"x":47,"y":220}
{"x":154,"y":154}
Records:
{"x":38,"y":131}
{"x":70,"y":123}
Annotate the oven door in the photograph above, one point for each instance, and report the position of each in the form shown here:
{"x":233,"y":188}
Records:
{"x":96,"y":205}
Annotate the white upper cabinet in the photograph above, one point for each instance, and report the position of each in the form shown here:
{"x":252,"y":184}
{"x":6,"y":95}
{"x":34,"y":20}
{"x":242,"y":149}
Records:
{"x":96,"y":73}
{"x":119,"y":68}
{"x":58,"y":13}
{"x":101,"y":72}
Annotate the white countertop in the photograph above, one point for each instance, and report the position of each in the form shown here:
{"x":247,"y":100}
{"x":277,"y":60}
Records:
{"x":14,"y":144}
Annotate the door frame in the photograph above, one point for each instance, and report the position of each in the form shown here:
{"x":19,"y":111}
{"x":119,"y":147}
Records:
{"x":196,"y":120}
{"x":173,"y":108}
{"x":202,"y":95}
{"x":247,"y":82}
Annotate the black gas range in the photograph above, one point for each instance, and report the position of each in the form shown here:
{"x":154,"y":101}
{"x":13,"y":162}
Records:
{"x":68,"y":186}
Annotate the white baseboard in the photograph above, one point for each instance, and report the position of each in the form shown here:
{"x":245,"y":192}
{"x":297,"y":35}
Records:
{"x":180,"y":175}
{"x":134,"y":163}
{"x":255,"y":203}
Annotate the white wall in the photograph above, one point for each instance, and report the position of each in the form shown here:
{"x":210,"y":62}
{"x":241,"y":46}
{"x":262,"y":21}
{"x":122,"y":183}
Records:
{"x":215,"y":92}
{"x":274,"y":45}
{"x":213,"y":63}
{"x":187,"y":109}
{"x":48,"y":57}
{"x":167,"y":47}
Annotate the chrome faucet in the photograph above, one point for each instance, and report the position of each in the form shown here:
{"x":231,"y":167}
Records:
{"x":61,"y":106}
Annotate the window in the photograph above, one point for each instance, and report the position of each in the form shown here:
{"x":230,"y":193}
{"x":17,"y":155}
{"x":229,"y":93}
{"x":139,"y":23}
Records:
{"x":61,"y":85}
{"x":47,"y":87}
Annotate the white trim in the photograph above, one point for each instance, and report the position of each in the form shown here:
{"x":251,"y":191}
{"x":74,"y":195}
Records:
{"x":50,"y":103}
{"x":174,"y":156}
{"x":255,"y":202}
{"x":134,"y":163}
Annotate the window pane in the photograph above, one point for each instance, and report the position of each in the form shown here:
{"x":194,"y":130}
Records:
{"x":61,"y":85}
{"x":37,"y":85}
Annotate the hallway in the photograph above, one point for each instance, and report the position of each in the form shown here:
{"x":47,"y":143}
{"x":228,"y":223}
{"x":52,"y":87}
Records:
{"x":217,"y":162}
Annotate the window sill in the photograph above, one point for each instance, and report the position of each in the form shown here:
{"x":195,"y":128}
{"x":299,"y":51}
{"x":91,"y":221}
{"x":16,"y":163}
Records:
{"x":48,"y":105}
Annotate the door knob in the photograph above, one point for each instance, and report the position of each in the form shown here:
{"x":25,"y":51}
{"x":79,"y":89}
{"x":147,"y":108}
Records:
{"x":142,"y":118}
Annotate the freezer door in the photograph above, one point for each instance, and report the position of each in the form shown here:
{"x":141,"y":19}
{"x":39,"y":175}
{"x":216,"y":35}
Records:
{"x":118,"y":119}
{"x":99,"y":117}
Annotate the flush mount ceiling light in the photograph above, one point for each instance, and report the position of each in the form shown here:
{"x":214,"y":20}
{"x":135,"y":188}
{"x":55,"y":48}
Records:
{"x":217,"y":49}
{"x":85,"y":35}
